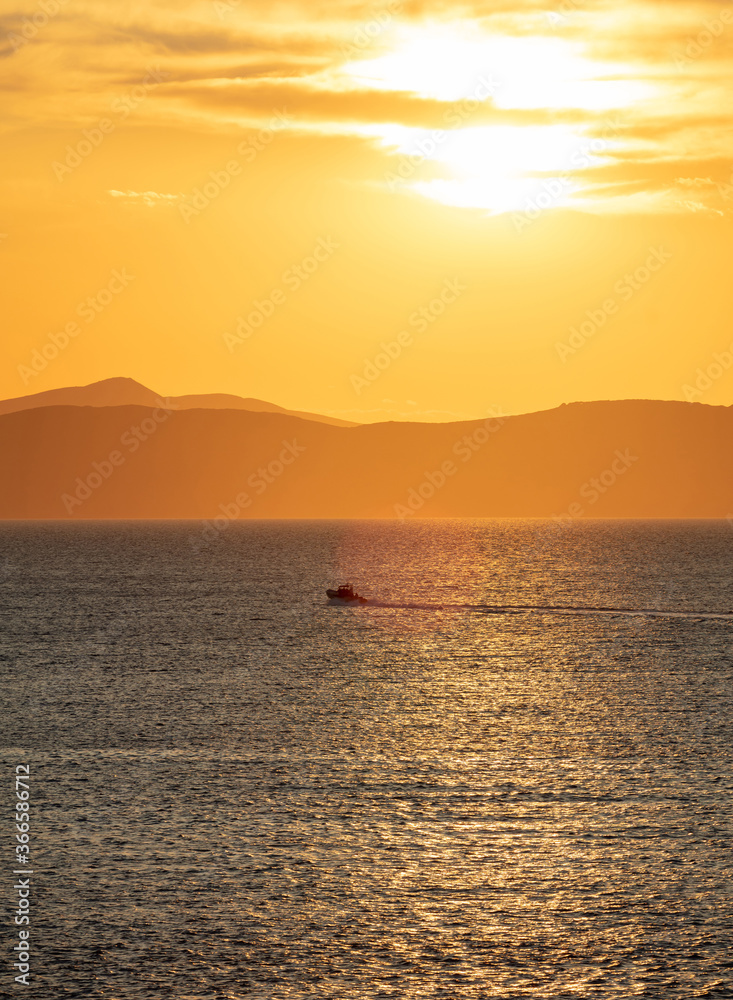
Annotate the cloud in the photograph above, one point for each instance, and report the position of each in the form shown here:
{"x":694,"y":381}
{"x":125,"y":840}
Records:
{"x":661,"y":172}
{"x":150,"y":199}
{"x":311,"y":101}
{"x":233,"y":70}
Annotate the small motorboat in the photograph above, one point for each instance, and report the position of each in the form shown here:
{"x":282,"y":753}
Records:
{"x":345,"y":595}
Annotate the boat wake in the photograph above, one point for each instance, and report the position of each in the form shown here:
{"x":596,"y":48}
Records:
{"x":557,"y":609}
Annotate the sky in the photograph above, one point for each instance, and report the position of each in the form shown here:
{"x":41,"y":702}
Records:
{"x":395,"y":210}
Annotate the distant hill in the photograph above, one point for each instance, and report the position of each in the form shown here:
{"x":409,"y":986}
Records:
{"x":128,"y":392}
{"x":631,"y":458}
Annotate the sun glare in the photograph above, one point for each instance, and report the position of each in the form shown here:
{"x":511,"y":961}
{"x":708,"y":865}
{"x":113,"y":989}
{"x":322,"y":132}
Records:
{"x":450,"y":63}
{"x":499,"y":167}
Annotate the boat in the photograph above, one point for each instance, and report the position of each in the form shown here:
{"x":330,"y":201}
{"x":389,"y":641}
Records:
{"x":346,"y":594}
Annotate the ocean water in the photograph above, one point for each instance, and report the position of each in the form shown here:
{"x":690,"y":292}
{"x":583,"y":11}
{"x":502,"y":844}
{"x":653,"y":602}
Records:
{"x":485,"y":783}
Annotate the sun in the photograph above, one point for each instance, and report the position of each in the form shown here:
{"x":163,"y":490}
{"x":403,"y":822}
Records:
{"x":531,"y":110}
{"x":450,"y":62}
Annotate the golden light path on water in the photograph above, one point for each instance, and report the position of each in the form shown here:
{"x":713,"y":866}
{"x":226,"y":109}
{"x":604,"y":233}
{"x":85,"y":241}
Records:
{"x":499,"y":167}
{"x":257,"y":794}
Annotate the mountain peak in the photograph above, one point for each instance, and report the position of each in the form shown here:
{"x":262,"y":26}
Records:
{"x":124,"y":391}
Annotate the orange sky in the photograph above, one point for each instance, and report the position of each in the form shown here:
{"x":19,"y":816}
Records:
{"x":388,"y":210}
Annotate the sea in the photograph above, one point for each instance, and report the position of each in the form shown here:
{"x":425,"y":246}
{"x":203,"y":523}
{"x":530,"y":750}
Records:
{"x":508,"y":775}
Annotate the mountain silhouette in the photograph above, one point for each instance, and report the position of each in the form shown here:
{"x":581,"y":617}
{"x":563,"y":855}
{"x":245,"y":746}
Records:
{"x":128,"y":392}
{"x":632,"y":458}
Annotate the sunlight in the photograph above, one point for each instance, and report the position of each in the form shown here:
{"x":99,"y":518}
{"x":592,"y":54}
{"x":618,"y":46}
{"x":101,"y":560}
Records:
{"x":449,"y":62}
{"x":498,"y":167}
{"x":497,"y":150}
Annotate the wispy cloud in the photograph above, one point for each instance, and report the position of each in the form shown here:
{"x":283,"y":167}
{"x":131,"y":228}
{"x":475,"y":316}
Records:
{"x":150,"y":199}
{"x":229,"y":73}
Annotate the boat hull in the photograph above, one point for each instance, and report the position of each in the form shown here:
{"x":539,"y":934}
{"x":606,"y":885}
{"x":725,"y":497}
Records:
{"x":334,"y":598}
